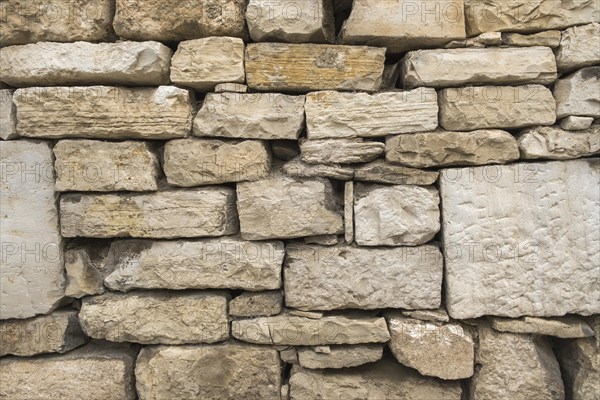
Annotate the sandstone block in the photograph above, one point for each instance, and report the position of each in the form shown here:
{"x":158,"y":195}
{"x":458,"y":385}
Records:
{"x":340,"y":356}
{"x":554,"y":143}
{"x":382,"y":172}
{"x":340,"y":151}
{"x":574,"y":123}
{"x":300,"y":169}
{"x":8,"y":115}
{"x":577,"y":94}
{"x":349,"y":212}
{"x":85,"y":271}
{"x":544,"y":38}
{"x":578,"y":47}
{"x":564,"y":327}
{"x":250,"y":304}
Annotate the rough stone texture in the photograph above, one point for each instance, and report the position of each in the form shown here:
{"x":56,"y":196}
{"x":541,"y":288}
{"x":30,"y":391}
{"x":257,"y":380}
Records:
{"x":195,"y":162}
{"x":299,"y":168}
{"x":208,"y":211}
{"x":349,"y":212}
{"x":574,"y":123}
{"x":251,"y":116}
{"x":301,"y":331}
{"x":444,"y":148}
{"x":230,"y":87}
{"x":85,"y":271}
{"x":200,"y":264}
{"x":156,"y":317}
{"x":526,"y":16}
{"x":554,"y":143}
{"x":289,"y":355}
{"x":340,"y":151}
{"x":203,"y":63}
{"x":325,"y":240}
{"x":286,"y":207}
{"x":103,"y":112}
{"x":402,"y":25}
{"x":530,"y":358}
{"x":57,"y":332}
{"x":223,"y":371}
{"x":308,"y":67}
{"x":445,"y":351}
{"x":92,"y":372}
{"x":483,"y":107}
{"x":294,"y":22}
{"x":8,"y":115}
{"x":382,"y":172}
{"x":341,"y":277}
{"x":81,"y":63}
{"x":175,"y":20}
{"x":510,"y":234}
{"x":545,"y":38}
{"x":31,"y":276}
{"x":22,"y":21}
{"x":250,"y":304}
{"x":439,"y":315}
{"x":563,"y":327}
{"x":577,"y":94}
{"x":332,"y":114}
{"x":579,"y":47}
{"x":93,"y":165}
{"x":285,"y":150}
{"x":459,"y":67}
{"x":340,"y":356}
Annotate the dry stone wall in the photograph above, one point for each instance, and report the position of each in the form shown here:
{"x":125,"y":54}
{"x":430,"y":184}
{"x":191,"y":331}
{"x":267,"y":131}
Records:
{"x":300,"y":199}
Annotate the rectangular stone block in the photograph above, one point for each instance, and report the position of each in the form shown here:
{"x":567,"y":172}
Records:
{"x":308,"y":67}
{"x":8,"y":115}
{"x":341,"y":277}
{"x":103,"y":112}
{"x":511,"y":238}
{"x":340,"y":151}
{"x":256,"y":304}
{"x":170,"y":214}
{"x":577,"y":94}
{"x":298,"y":168}
{"x":545,"y":38}
{"x":339,"y":356}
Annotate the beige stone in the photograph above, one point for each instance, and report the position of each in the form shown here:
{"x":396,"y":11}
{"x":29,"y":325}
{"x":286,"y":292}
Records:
{"x":8,"y":115}
{"x":103,"y":112}
{"x":382,"y":172}
{"x":203,"y":63}
{"x":289,"y":355}
{"x":85,"y":270}
{"x":544,"y":38}
{"x":251,"y":116}
{"x":504,"y":107}
{"x":263,"y":304}
{"x":343,"y":277}
{"x":230,"y":87}
{"x":222,"y":371}
{"x":195,"y":162}
{"x":578,"y":47}
{"x":340,"y":356}
{"x":349,"y":212}
{"x":308,"y":67}
{"x":307,"y":314}
{"x":325,"y":240}
{"x":563,"y":327}
{"x":444,"y":148}
{"x":439,"y":315}
{"x":82,"y":63}
{"x":94,"y":165}
{"x":574,"y":123}
{"x":577,"y":94}
{"x":554,"y":143}
{"x":340,"y":151}
{"x":301,"y":169}
{"x":156,"y":317}
{"x":208,"y":211}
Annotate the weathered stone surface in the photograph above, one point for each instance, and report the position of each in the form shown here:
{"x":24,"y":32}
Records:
{"x":482,"y":107}
{"x":307,"y":67}
{"x":31,"y":276}
{"x":195,"y":162}
{"x":251,"y":116}
{"x":286,"y":207}
{"x":85,"y":271}
{"x":203,"y":63}
{"x":577,"y":94}
{"x":103,"y":112}
{"x":439,"y":315}
{"x":289,"y":355}
{"x":574,"y":123}
{"x":578,"y":47}
{"x":222,"y":371}
{"x":299,"y":168}
{"x":57,"y":332}
{"x":395,"y":215}
{"x":290,"y":330}
{"x":332,"y":114}
{"x":459,"y":67}
{"x":563,"y":327}
{"x":444,"y":148}
{"x":297,"y":22}
{"x":208,"y":211}
{"x":341,"y":277}
{"x":445,"y":351}
{"x":231,"y":87}
{"x":385,"y":380}
{"x":382,"y":172}
{"x":510,"y":234}
{"x":340,"y":151}
{"x":554,"y":143}
{"x":307,"y":314}
{"x":325,"y":240}
{"x":226,"y":262}
{"x":174,"y":20}
{"x":340,"y":356}
{"x":92,"y":372}
{"x":524,"y":16}
{"x":545,"y":38}
{"x":22,"y":21}
{"x":8,"y":115}
{"x":530,"y":358}
{"x":390,"y":76}
{"x":153,"y":317}
{"x":285,"y":150}
{"x":81,"y":63}
{"x":402,"y":25}
{"x":94,"y":165}
{"x":349,"y":212}
{"x":250,"y":304}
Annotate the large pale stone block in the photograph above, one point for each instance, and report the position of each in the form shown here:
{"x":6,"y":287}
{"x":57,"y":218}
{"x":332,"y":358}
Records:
{"x":170,"y":214}
{"x":554,"y":143}
{"x":308,"y":67}
{"x":382,"y":172}
{"x":402,"y":25}
{"x":156,"y":317}
{"x":578,"y":94}
{"x":340,"y":356}
{"x":31,"y":276}
{"x":103,"y":112}
{"x":332,"y":114}
{"x":512,"y":239}
{"x":340,"y":151}
{"x":82,"y":63}
{"x":8,"y":115}
{"x":260,"y":304}
{"x":341,"y":277}
{"x":578,"y":47}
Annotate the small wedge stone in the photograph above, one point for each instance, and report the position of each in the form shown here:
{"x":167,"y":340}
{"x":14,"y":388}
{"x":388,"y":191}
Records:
{"x":85,"y":270}
{"x":250,"y":304}
{"x":340,"y":151}
{"x":577,"y":94}
{"x":349,"y":212}
{"x":340,"y":356}
{"x":380,"y":171}
{"x":546,"y":38}
{"x":230,"y":87}
{"x":301,"y":169}
{"x":439,"y":315}
{"x":8,"y":115}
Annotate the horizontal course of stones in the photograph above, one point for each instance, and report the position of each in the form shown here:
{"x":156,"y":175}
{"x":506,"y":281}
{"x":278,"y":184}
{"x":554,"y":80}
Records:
{"x":316,"y":199}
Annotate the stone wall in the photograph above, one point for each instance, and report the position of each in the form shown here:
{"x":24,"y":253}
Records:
{"x":300,"y":199}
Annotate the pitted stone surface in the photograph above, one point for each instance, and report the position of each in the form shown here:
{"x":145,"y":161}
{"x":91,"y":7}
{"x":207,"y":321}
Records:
{"x":340,"y":151}
{"x":554,"y":143}
{"x":576,"y":94}
{"x":8,"y":115}
{"x":578,"y":47}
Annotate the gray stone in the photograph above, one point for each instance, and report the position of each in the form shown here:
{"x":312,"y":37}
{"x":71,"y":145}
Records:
{"x":340,"y":356}
{"x":544,"y":38}
{"x":263,"y":304}
{"x":564,"y":327}
{"x":325,"y":240}
{"x":574,"y":123}
{"x":577,"y":94}
{"x":382,"y":172}
{"x":554,"y":143}
{"x":340,"y":151}
{"x":8,"y":115}
{"x":578,"y":47}
{"x":301,"y":169}
{"x":349,"y":212}
{"x":85,"y":270}
{"x":439,"y":315}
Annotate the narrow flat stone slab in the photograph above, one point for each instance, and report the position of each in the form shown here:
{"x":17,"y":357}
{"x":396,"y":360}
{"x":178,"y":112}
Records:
{"x":340,"y":356}
{"x":349,"y":212}
{"x":568,"y":327}
{"x":340,"y":151}
{"x":301,"y":169}
{"x":8,"y":115}
{"x":256,"y":304}
{"x":545,"y":38}
{"x":575,"y":123}
{"x":380,"y":171}
{"x":554,"y":143}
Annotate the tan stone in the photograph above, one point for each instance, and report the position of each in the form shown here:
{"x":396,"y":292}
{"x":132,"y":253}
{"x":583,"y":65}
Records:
{"x":574,"y":123}
{"x":85,"y":270}
{"x":382,"y":172}
{"x":8,"y":115}
{"x":340,"y":151}
{"x":300,"y":169}
{"x":554,"y":143}
{"x":250,"y":304}
{"x":340,"y":356}
{"x":563,"y":327}
{"x":325,"y":240}
{"x":289,"y":355}
{"x":578,"y":47}
{"x":439,"y":315}
{"x":307,"y":314}
{"x":349,"y":212}
{"x":577,"y":94}
{"x":231,"y":87}
{"x":544,"y":38}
